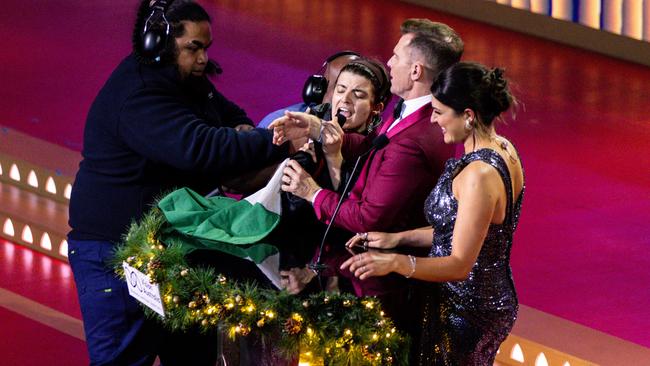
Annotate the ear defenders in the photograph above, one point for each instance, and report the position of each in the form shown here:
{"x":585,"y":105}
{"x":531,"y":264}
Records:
{"x":156,"y":31}
{"x":316,"y":85}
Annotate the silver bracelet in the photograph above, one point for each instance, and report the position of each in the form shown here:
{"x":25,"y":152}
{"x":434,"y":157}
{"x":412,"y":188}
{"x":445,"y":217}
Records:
{"x":413,"y":263}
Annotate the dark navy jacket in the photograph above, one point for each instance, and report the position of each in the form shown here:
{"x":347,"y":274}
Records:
{"x":147,"y":133}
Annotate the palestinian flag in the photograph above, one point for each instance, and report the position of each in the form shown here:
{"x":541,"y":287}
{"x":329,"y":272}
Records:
{"x":228,"y":225}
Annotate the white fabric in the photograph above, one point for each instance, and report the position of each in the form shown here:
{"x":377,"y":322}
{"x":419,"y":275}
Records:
{"x":269,"y":196}
{"x":411,"y":106}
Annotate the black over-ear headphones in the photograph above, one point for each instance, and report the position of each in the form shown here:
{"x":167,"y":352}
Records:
{"x":316,"y":85}
{"x":156,"y":31}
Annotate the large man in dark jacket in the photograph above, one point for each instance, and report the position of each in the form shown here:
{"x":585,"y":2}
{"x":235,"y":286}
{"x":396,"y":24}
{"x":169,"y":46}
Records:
{"x":157,"y":124}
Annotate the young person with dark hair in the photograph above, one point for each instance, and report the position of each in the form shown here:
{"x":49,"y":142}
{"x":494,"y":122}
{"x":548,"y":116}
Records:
{"x":394,"y":181}
{"x":474,"y":209}
{"x":360,"y":93}
{"x":331,"y":69}
{"x":157,"y":124}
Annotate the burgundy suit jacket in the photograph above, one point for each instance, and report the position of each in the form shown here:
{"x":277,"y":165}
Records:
{"x":392,"y":187}
{"x":390,"y":192}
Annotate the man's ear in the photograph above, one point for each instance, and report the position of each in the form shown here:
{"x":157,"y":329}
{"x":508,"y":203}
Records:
{"x":417,"y":71}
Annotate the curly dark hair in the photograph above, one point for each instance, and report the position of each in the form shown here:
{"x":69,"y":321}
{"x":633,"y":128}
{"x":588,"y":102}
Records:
{"x":177,"y":12}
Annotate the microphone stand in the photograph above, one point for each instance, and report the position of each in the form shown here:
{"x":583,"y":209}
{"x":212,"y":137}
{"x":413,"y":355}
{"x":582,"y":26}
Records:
{"x":318,"y":267}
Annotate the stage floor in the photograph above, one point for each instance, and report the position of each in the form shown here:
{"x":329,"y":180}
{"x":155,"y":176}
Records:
{"x":582,"y":250}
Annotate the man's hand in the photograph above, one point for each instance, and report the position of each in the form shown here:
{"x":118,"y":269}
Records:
{"x":295,"y":125}
{"x":296,"y":279}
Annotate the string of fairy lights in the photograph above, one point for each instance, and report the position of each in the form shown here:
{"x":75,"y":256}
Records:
{"x":337,"y":328}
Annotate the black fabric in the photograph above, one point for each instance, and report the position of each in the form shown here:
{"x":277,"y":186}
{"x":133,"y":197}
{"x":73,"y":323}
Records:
{"x":148,"y":133}
{"x":299,"y":234}
{"x":322,"y":111}
{"x":300,"y":231}
{"x":397,"y":112}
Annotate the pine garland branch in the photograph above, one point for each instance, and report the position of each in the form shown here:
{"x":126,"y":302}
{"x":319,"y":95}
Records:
{"x":339,"y":328}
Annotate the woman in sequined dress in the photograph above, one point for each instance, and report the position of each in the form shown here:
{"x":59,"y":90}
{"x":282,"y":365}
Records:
{"x":471,"y":304}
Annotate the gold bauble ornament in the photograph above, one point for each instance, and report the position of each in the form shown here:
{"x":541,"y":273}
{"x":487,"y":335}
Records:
{"x":244,"y":329}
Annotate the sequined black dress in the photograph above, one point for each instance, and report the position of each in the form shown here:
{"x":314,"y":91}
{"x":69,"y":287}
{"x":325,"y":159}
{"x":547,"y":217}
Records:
{"x":464,"y":322}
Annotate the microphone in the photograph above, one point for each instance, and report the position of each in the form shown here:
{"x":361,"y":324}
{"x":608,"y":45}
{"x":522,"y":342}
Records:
{"x":377,"y":144}
{"x":213,"y":68}
{"x":341,"y":119}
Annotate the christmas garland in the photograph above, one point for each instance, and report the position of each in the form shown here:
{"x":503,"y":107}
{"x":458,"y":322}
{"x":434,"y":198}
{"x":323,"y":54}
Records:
{"x":340,"y":329}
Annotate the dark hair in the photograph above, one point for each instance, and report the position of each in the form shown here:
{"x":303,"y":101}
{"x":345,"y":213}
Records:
{"x":440,"y":45}
{"x":474,"y":86}
{"x":374,"y":71}
{"x":177,"y":12}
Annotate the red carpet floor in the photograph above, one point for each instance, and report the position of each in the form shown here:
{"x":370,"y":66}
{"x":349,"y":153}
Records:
{"x":37,"y":292}
{"x":582,"y":251}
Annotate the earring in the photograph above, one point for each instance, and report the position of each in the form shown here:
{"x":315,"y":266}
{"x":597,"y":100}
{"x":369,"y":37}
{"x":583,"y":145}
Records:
{"x":374,"y":122}
{"x":468,"y":124}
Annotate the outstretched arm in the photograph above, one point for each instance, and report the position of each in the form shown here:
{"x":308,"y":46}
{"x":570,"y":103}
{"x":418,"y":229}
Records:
{"x":295,"y":125}
{"x":478,"y":190}
{"x":169,"y":132}
{"x":421,"y":237}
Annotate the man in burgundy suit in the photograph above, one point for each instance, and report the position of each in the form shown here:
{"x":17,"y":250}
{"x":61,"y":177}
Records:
{"x":394,"y":182}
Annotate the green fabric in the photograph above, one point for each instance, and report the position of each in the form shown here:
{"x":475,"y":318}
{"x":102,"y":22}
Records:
{"x":257,"y":252}
{"x":218,"y":223}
